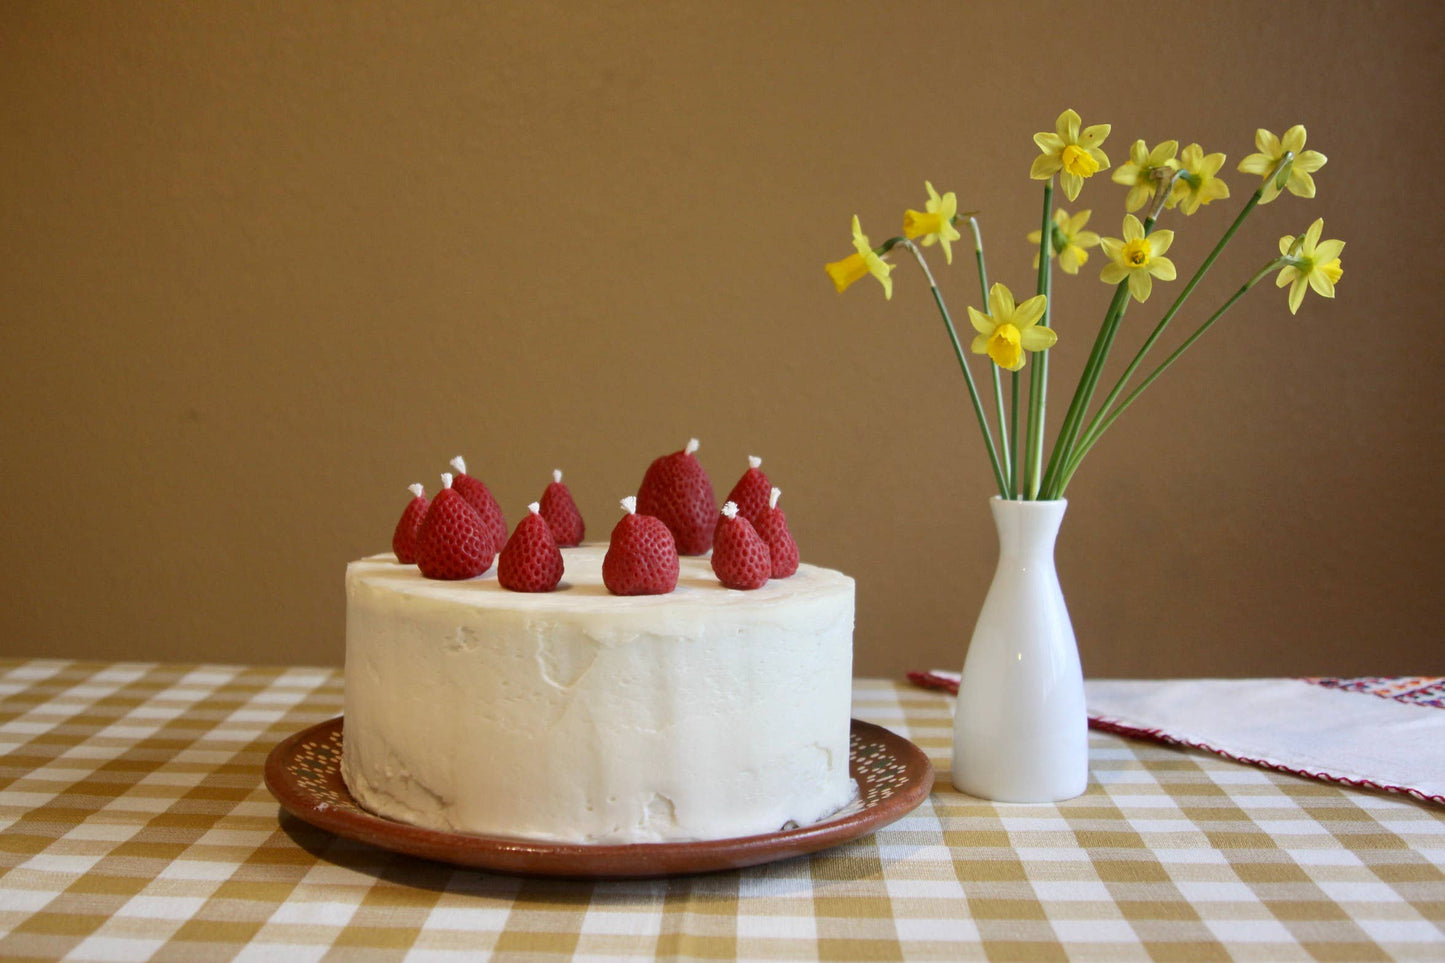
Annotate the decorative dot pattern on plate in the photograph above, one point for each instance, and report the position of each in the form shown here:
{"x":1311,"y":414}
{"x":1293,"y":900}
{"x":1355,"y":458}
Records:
{"x":304,"y":773}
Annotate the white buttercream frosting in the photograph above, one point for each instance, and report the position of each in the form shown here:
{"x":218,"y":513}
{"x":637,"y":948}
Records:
{"x":580,"y":716}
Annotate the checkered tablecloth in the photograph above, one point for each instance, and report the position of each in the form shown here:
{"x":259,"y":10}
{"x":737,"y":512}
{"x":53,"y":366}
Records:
{"x":136,"y":826}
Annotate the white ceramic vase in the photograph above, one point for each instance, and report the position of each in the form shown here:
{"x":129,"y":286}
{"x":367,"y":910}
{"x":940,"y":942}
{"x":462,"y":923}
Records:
{"x":1020,"y":733}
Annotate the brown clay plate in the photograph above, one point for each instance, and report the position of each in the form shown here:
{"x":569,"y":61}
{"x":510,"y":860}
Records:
{"x":304,"y":774}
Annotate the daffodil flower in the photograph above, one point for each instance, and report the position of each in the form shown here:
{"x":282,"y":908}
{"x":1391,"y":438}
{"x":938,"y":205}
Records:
{"x":1069,"y":240}
{"x":1271,"y":150}
{"x":935,"y":223}
{"x":1198,"y":185}
{"x":860,"y":265}
{"x":1139,"y":175}
{"x":1312,"y":263}
{"x":1073,"y":152}
{"x":1008,"y":330}
{"x":1138,"y":258}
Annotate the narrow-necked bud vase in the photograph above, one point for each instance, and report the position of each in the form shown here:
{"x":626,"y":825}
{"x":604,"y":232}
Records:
{"x":1020,"y":733}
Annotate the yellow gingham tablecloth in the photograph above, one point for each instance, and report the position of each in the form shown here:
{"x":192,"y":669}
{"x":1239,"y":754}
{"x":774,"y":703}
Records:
{"x":136,"y":826}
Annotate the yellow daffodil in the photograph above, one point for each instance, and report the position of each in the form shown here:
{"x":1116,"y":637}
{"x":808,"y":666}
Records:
{"x":1008,"y":330}
{"x":1314,"y":264}
{"x":860,"y":265}
{"x":1069,"y":240}
{"x":936,"y":224}
{"x":1198,"y":185}
{"x":1271,"y":149}
{"x":1139,"y":172}
{"x":1071,"y":153}
{"x":1138,"y":258}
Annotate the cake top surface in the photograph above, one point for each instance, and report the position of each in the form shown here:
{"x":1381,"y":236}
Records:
{"x":582,"y":589}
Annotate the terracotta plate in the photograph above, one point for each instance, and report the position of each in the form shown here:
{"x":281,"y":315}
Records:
{"x":304,"y":774}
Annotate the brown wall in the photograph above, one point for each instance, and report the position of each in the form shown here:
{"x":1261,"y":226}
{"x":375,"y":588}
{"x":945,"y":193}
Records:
{"x":263,"y":265}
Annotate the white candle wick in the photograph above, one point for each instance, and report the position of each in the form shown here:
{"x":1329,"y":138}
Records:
{"x":460,"y":464}
{"x":730,"y":509}
{"x":692,"y":446}
{"x":629,"y":504}
{"x":416,"y":490}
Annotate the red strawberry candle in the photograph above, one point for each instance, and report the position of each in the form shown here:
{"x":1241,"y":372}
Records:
{"x":561,"y":513}
{"x":641,"y":557}
{"x":772,"y":526}
{"x":403,"y":540}
{"x":531,"y":560}
{"x":740,"y":557}
{"x":480,"y":498}
{"x":676,"y":490}
{"x":750,"y":494}
{"x":453,"y":542}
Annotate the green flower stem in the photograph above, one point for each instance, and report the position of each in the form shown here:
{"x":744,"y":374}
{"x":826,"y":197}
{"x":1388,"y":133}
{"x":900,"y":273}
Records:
{"x":963,"y":365}
{"x":1089,"y":381}
{"x":1097,"y":425}
{"x":1013,"y":429}
{"x":1039,"y":377}
{"x":1096,"y":430}
{"x":1074,"y":417}
{"x":1008,"y":460}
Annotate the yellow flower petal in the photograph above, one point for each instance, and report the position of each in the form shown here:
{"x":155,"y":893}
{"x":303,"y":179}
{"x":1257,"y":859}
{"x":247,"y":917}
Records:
{"x":1266,"y":143}
{"x":1297,"y":294}
{"x":1300,"y":183}
{"x":980,"y":344}
{"x":1257,"y":164}
{"x":1094,"y":135}
{"x":1133,"y":230}
{"x":1028,"y":314}
{"x":1162,"y":268}
{"x":1038,"y":338}
{"x":1140,"y":284}
{"x":846,"y":271}
{"x":1294,"y":139}
{"x":1160,"y":241}
{"x":1068,"y":126}
{"x":1321,"y":285}
{"x":1326,"y":251}
{"x":981,"y":322}
{"x":1000,"y":302}
{"x":1045,"y":166}
{"x":1113,"y":273}
{"x":1072,"y":184}
{"x":1112,"y":248}
{"x":1048,"y":142}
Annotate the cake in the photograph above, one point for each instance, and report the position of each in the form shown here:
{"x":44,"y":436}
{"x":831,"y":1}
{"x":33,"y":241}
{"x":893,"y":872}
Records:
{"x":577,"y":716}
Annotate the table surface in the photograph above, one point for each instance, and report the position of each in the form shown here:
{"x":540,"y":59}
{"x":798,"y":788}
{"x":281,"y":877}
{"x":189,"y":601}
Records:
{"x":136,"y":826}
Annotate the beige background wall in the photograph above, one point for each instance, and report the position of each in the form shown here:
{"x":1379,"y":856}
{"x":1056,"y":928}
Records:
{"x":263,"y":265}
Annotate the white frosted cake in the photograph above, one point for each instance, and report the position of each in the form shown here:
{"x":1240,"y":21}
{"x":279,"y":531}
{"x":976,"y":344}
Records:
{"x":580,"y":716}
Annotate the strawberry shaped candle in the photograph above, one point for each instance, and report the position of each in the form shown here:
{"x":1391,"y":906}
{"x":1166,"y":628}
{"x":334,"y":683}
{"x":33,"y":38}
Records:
{"x":561,"y":513}
{"x":453,"y":542}
{"x":480,"y":498}
{"x":531,"y":560}
{"x":750,"y":494}
{"x":740,"y":557}
{"x":642,"y":557}
{"x":403,"y":540}
{"x":676,"y":490}
{"x":772,"y":526}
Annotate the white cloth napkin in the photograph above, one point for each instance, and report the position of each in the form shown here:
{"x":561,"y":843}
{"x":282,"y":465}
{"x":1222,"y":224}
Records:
{"x":1285,"y":724}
